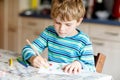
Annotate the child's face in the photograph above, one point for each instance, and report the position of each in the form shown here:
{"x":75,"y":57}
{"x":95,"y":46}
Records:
{"x":66,"y":28}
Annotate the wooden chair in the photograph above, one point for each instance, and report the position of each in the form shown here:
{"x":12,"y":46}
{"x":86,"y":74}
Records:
{"x":99,"y":61}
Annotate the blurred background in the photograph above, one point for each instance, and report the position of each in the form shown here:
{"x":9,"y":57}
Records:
{"x":95,"y":9}
{"x":26,"y":19}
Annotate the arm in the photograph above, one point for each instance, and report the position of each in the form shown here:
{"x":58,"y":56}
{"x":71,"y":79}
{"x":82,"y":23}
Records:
{"x":87,"y":58}
{"x":40,"y":44}
{"x":85,"y":62}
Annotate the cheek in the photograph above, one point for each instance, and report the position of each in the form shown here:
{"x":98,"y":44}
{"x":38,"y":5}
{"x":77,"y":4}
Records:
{"x":71,"y":27}
{"x":56,"y":27}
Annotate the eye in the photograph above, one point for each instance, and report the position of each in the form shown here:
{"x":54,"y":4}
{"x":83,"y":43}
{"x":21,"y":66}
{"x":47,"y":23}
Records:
{"x":68,"y":24}
{"x":57,"y":22}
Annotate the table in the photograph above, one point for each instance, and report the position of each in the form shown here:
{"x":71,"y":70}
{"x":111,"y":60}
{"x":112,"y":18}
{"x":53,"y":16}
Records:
{"x":20,"y":72}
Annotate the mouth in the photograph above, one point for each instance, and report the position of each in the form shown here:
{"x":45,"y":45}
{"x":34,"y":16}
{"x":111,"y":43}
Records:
{"x":62,"y":33}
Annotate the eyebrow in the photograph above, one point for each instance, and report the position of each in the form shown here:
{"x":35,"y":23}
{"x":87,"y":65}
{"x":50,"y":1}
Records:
{"x":67,"y":22}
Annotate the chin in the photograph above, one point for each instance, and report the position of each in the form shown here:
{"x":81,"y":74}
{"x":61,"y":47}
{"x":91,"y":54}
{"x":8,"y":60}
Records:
{"x":62,"y":36}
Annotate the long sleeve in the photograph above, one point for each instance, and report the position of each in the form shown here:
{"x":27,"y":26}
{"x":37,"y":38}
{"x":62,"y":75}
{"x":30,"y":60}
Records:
{"x":87,"y":58}
{"x":39,"y":43}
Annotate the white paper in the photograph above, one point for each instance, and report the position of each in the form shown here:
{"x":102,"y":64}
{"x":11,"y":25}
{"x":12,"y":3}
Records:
{"x":54,"y":68}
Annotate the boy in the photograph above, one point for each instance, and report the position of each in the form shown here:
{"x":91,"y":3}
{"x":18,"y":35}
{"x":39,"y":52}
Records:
{"x":65,"y":43}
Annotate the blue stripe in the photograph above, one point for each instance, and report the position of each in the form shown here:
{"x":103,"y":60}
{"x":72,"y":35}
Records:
{"x":50,"y":58}
{"x":62,"y":52}
{"x":63,"y":44}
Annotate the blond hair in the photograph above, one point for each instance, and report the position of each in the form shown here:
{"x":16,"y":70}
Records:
{"x":67,"y":9}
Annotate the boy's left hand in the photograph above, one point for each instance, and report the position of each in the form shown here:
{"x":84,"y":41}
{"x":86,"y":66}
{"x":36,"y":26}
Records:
{"x":74,"y":67}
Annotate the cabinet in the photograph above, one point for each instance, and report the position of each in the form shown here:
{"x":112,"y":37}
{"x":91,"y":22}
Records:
{"x":9,"y":24}
{"x":113,"y":61}
{"x":106,"y":32}
{"x":12,"y":18}
{"x":1,"y":23}
{"x":111,"y":50}
{"x":106,"y":39}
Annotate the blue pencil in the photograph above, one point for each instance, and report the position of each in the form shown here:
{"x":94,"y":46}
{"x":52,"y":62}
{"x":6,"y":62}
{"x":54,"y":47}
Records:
{"x":22,"y":62}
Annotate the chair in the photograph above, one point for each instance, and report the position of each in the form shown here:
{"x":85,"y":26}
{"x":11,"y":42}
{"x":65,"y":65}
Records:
{"x":99,"y":61}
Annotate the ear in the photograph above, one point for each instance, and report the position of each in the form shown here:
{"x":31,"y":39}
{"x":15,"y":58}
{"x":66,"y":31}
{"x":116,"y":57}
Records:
{"x":79,"y":21}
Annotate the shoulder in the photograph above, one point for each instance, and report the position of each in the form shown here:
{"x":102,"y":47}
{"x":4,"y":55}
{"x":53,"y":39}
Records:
{"x":83,"y":37}
{"x":50,"y":28}
{"x":49,"y":31}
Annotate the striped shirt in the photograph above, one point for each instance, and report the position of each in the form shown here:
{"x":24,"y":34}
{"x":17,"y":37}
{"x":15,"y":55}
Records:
{"x":63,"y":50}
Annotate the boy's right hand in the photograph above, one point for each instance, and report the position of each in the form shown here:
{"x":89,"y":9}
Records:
{"x":38,"y":61}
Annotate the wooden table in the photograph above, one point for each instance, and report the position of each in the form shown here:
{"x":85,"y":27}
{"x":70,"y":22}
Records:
{"x":20,"y":72}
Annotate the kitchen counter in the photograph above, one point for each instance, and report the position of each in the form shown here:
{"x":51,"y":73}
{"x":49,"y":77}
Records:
{"x":107,"y":22}
{"x":98,"y":21}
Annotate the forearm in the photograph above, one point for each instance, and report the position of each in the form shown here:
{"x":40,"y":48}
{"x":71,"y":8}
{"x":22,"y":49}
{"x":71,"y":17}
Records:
{"x":88,"y":66}
{"x":27,"y":52}
{"x":87,"y":58}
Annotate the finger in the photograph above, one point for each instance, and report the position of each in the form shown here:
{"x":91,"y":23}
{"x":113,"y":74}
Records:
{"x":41,"y":60}
{"x":66,"y":69}
{"x":71,"y":69}
{"x":44,"y":64}
{"x":36,"y":65}
{"x":75,"y":71}
{"x":79,"y":69}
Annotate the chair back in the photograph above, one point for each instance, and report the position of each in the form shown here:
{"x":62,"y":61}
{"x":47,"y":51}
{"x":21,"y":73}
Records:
{"x":99,"y":62}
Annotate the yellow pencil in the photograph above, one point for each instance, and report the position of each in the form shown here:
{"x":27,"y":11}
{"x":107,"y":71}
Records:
{"x":10,"y":62}
{"x":37,"y":53}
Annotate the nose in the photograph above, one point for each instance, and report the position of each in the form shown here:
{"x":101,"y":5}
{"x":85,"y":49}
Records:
{"x":62,"y":27}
